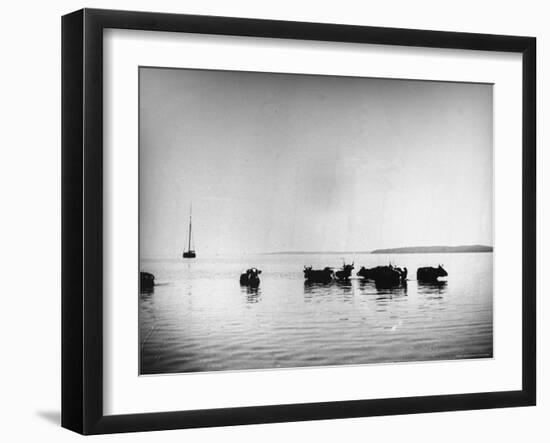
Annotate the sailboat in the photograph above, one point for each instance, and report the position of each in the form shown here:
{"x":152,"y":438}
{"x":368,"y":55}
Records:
{"x":190,"y":253}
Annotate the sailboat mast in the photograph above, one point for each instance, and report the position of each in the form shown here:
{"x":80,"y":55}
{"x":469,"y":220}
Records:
{"x":190,"y":214}
{"x":190,"y":253}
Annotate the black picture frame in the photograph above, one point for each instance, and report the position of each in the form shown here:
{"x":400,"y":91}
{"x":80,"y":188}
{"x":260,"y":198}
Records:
{"x":82,"y":218}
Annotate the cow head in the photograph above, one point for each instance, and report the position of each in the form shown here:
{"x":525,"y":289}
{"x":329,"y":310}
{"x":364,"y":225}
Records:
{"x":253,"y":272}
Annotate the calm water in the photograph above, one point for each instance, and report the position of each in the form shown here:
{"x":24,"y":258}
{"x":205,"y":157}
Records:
{"x":198,"y":318}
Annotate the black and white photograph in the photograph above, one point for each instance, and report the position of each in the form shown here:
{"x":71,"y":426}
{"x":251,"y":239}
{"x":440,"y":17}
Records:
{"x":284,"y":221}
{"x":292,"y":221}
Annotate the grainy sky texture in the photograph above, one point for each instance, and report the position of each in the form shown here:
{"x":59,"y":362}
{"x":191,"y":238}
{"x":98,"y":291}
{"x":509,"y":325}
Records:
{"x":282,"y":162}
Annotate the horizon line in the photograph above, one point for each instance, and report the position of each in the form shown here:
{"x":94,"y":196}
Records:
{"x":378,"y":250}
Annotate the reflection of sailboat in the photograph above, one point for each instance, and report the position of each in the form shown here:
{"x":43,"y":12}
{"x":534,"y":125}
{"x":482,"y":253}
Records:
{"x":190,"y":253}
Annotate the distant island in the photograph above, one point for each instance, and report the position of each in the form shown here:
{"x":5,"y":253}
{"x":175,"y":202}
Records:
{"x":405,"y":250}
{"x":434,"y":249}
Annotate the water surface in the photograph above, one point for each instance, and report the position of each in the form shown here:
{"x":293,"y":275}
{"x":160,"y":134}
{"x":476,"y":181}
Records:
{"x":198,"y":317}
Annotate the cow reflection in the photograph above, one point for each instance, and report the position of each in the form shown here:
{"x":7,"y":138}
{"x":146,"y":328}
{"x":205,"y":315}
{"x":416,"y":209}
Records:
{"x":328,"y":292}
{"x":382,"y":290}
{"x":252,"y":293}
{"x":312,"y":287}
{"x":395,"y":291}
{"x":434,"y":289}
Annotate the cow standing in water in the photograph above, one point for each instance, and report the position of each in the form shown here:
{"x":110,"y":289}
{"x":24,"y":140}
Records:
{"x":345,"y":272}
{"x":250,"y":278}
{"x":146,"y":281}
{"x":384,"y":276}
{"x":318,"y":275}
{"x":430,"y":274}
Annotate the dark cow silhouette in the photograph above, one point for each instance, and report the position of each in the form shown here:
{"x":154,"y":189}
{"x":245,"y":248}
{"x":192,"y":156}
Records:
{"x":146,"y":281}
{"x":250,"y":278}
{"x":345,"y":272}
{"x":318,"y":275}
{"x":370,"y":273}
{"x":384,"y":276}
{"x":429,"y":274}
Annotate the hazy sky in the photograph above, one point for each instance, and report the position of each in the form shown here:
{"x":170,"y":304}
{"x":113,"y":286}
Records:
{"x":279,"y":162}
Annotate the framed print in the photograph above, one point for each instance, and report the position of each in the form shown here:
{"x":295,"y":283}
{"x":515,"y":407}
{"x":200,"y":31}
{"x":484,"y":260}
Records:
{"x":269,"y":221}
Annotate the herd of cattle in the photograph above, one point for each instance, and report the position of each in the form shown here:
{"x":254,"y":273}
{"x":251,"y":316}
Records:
{"x":383,"y":276}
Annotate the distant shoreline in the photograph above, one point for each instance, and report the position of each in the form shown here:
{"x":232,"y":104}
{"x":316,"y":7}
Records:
{"x":402,"y":250}
{"x":434,"y":249}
